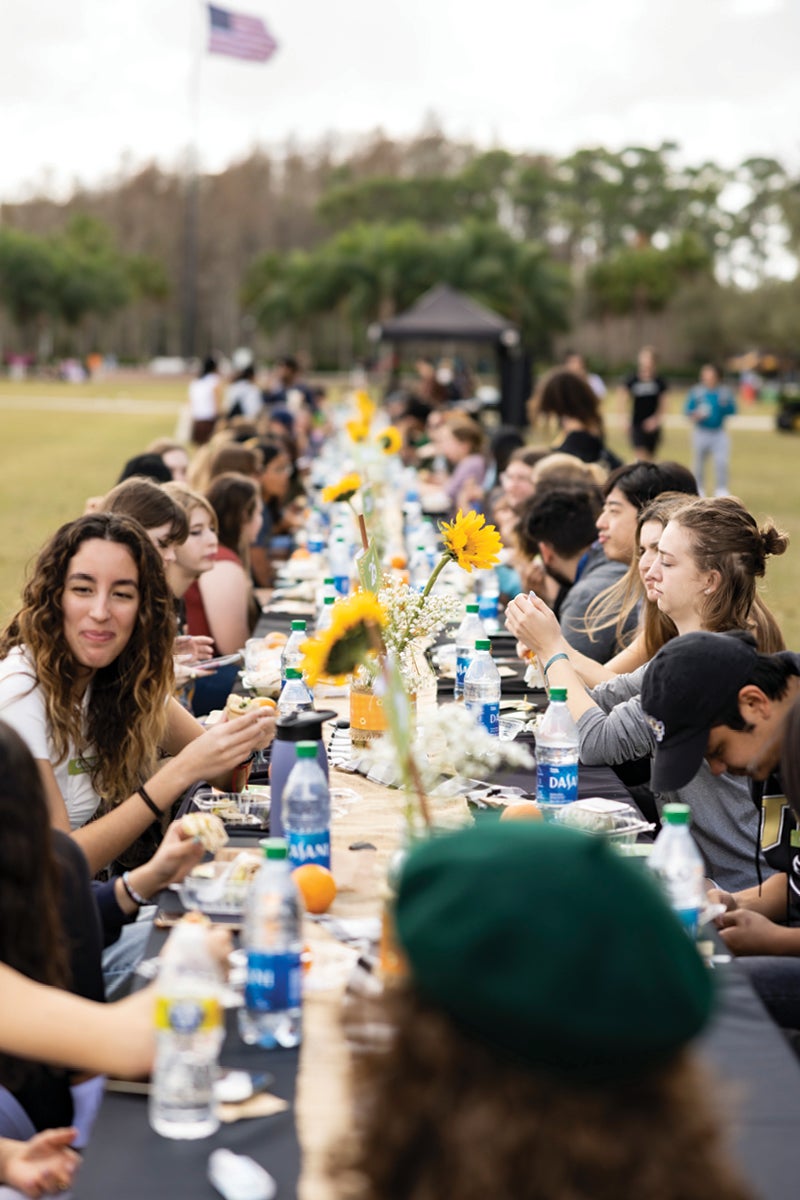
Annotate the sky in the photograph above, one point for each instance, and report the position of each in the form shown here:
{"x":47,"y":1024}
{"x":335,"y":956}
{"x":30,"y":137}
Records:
{"x":94,"y":87}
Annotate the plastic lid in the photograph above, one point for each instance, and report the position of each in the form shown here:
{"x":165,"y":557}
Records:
{"x":294,"y":673}
{"x":328,"y":581}
{"x":482,"y":644}
{"x":558,"y":694}
{"x":298,"y":625}
{"x":306,"y":749}
{"x":274,"y":847}
{"x":329,"y":600}
{"x":473,"y":608}
{"x":676,"y":814}
{"x":300,"y":726}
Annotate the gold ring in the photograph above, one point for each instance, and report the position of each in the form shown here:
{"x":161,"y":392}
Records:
{"x":193,"y":674}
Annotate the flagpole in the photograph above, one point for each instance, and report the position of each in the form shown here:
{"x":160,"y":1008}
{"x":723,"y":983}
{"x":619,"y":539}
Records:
{"x":191,"y":209}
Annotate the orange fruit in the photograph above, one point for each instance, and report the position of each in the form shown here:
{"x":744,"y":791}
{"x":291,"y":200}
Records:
{"x":263,"y":702}
{"x":317,"y":886}
{"x":273,"y":640}
{"x":523,"y":810}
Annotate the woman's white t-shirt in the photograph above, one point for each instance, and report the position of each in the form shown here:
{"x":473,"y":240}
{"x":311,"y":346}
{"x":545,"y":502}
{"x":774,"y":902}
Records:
{"x":22,"y":706}
{"x":202,"y":397}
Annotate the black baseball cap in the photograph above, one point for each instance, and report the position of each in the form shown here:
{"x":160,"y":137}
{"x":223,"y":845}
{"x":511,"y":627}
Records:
{"x":687,"y":688}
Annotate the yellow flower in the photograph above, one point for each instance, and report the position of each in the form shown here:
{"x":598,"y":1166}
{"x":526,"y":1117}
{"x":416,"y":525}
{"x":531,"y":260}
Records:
{"x":470,"y":542}
{"x":358,"y":429}
{"x":390,"y":439}
{"x":345,"y":489}
{"x":347,"y":642}
{"x":366,"y":407}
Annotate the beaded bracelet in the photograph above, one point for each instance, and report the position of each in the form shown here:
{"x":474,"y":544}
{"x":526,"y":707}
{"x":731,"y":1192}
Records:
{"x":555,"y":658}
{"x":132,"y":893}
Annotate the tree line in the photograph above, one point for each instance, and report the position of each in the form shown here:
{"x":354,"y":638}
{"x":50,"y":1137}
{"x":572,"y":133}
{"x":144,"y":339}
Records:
{"x":303,"y":250}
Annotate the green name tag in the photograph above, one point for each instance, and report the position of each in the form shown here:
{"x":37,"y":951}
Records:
{"x":369,"y":569}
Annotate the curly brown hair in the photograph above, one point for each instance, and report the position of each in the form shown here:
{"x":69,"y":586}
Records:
{"x":440,"y":1114}
{"x":31,"y":931}
{"x":126,"y":714}
{"x":563,"y":394}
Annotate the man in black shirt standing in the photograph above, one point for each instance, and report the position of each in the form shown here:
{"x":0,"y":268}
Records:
{"x":648,"y":392}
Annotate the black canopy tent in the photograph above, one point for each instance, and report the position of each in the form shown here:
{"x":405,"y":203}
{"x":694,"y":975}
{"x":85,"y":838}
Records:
{"x":446,"y":315}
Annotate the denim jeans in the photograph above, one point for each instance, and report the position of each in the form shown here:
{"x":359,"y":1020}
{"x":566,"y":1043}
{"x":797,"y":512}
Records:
{"x":122,"y":957}
{"x":716,"y":444}
{"x":777,"y":981}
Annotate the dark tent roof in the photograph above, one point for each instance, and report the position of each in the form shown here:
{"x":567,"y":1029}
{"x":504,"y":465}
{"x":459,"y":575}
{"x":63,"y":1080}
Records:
{"x":445,"y":314}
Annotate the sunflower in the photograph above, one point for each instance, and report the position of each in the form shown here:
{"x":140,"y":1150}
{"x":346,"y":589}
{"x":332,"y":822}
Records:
{"x":347,"y":642}
{"x":345,"y":489}
{"x":470,"y":542}
{"x":366,"y":407}
{"x":357,"y":429}
{"x":390,"y":440}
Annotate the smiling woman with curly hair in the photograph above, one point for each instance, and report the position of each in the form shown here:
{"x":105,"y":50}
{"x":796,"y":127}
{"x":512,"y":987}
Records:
{"x":537,"y":1049}
{"x":86,"y":679}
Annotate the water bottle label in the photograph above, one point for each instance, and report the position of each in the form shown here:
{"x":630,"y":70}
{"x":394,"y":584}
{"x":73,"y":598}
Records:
{"x":273,"y":982}
{"x":487,"y":607}
{"x":487,"y":715}
{"x":462,"y":666}
{"x":315,"y":545}
{"x":188,"y":1014}
{"x":556,"y":783}
{"x":341,"y":584}
{"x":688,"y":918}
{"x":310,"y":848}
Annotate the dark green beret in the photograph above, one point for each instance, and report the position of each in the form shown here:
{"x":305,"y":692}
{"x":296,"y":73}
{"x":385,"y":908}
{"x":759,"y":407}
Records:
{"x":546,"y":944}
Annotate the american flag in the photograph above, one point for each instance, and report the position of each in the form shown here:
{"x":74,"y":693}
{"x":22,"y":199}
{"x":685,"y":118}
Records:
{"x":239,"y":35}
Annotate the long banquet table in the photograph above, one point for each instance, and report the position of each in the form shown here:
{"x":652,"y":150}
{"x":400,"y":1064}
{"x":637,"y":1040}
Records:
{"x":760,"y":1075}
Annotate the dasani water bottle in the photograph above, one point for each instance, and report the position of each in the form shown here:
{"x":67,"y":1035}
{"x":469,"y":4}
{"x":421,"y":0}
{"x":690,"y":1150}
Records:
{"x":468,"y":633}
{"x":306,"y":808}
{"x":677,"y":863}
{"x":557,"y":753}
{"x":482,"y":689}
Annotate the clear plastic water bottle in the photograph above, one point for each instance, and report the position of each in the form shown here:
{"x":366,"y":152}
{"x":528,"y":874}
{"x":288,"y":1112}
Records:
{"x":272,"y":1015}
{"x":291,"y":655}
{"x":468,"y":633}
{"x":306,"y":807}
{"x":678,"y":865}
{"x":315,"y":532}
{"x":326,"y":616}
{"x":340,"y":566}
{"x":323,"y":593}
{"x":419,"y":569}
{"x":189,"y":1033}
{"x":295,"y":696}
{"x":488,"y":596}
{"x":482,"y":688}
{"x":557,"y":753}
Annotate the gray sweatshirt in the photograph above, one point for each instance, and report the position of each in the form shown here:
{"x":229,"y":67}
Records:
{"x":725,"y":822}
{"x":598,"y":574}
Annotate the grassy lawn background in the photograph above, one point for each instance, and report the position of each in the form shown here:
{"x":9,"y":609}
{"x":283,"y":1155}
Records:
{"x":61,"y":443}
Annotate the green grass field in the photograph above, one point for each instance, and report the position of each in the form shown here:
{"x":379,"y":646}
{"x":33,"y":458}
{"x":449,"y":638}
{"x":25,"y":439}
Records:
{"x":64,"y":442}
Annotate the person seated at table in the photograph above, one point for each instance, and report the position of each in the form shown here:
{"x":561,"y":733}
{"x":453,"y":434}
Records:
{"x":174,"y":454}
{"x":719,"y":703}
{"x":558,"y":526}
{"x":497,"y":1067}
{"x":165,"y":523}
{"x":710,"y":555}
{"x":278,"y":519}
{"x":570,"y":399}
{"x":54,"y":923}
{"x":460,"y":440}
{"x":220,"y":603}
{"x":86,"y":679}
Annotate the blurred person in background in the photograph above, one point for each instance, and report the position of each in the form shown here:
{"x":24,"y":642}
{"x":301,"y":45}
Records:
{"x":460,"y":440}
{"x":708,"y":406}
{"x":175,"y":455}
{"x":569,"y":398}
{"x":648,"y":393}
{"x":205,"y":401}
{"x":575,"y":362}
{"x":279,"y":518}
{"x":243,"y":397}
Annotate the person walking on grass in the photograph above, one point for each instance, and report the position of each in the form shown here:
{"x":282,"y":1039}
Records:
{"x":708,"y":406}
